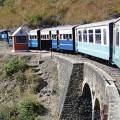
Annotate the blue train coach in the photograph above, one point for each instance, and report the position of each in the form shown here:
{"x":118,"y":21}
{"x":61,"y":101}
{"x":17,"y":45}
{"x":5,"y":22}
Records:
{"x":4,"y":35}
{"x":34,"y":39}
{"x":45,"y":41}
{"x":63,"y":38}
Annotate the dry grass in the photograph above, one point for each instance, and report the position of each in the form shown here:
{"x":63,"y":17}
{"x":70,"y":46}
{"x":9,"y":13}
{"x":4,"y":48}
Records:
{"x":15,"y":13}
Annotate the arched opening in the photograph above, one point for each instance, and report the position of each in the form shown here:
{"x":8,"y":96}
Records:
{"x":85,"y":104}
{"x":97,"y":110}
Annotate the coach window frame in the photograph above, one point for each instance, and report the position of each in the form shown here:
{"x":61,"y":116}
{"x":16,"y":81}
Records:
{"x":70,"y":36}
{"x":85,"y":38}
{"x":98,"y":41}
{"x":91,"y":29}
{"x":64,"y":36}
{"x":105,"y":40}
{"x":117,"y":40}
{"x":80,"y":35}
{"x":61,"y":36}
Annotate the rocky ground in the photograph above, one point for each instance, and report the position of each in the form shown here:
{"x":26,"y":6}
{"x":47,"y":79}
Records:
{"x":48,"y":95}
{"x":44,"y":68}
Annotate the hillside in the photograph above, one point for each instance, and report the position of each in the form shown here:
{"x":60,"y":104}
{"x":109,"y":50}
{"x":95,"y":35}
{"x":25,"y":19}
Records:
{"x":53,"y":12}
{"x":28,"y":90}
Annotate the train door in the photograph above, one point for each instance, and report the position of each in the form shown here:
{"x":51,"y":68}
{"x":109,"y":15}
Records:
{"x":74,"y":36}
{"x":50,"y":41}
{"x":116,"y":44}
{"x":58,"y":41}
{"x":39,"y":40}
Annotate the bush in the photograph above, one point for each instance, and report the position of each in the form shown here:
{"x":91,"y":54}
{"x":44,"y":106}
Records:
{"x":50,"y":21}
{"x":29,"y":109}
{"x":21,"y":81}
{"x":34,"y":20}
{"x":14,"y":66}
{"x":2,"y":117}
{"x":8,"y":113}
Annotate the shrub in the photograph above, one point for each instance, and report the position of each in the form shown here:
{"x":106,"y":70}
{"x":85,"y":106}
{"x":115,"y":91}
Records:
{"x":50,"y":21}
{"x":14,"y":66}
{"x":2,"y":116}
{"x":8,"y":113}
{"x":34,"y":20}
{"x":21,"y":81}
{"x":29,"y":109}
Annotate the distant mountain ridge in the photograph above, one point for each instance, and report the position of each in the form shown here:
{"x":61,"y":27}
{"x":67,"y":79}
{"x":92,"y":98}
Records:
{"x":36,"y":13}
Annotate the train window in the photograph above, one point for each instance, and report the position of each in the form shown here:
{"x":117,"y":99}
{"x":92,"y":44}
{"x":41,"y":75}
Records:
{"x":54,"y":36}
{"x":80,"y":36}
{"x":64,"y":36}
{"x":67,"y":37}
{"x":90,"y":36}
{"x":10,"y":37}
{"x":47,"y":36}
{"x":104,"y":36}
{"x":41,"y":36}
{"x":60,"y":36}
{"x":70,"y":36}
{"x":98,"y":36}
{"x":21,"y":39}
{"x":30,"y":37}
{"x":85,"y":35}
{"x":35,"y":37}
{"x":117,"y":38}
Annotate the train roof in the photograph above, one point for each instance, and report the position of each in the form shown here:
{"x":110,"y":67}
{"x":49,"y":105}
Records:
{"x":19,"y":32}
{"x":66,"y":27}
{"x":33,"y":32}
{"x":4,"y":31}
{"x":117,"y":20}
{"x":102,"y":23}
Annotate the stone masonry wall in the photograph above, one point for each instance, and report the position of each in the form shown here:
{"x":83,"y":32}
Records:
{"x":72,"y":76}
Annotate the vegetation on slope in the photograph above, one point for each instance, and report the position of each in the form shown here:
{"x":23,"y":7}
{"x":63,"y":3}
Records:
{"x":28,"y":91}
{"x":54,"y":12}
{"x":16,"y":102}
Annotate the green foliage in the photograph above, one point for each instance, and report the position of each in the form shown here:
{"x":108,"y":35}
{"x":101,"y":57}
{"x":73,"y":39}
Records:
{"x":9,"y":3}
{"x":50,"y":21}
{"x":21,"y":81}
{"x":38,"y":12}
{"x":34,"y":20}
{"x":29,"y":109}
{"x":8,"y":113}
{"x":26,"y":109}
{"x":14,"y":66}
{"x":2,"y":116}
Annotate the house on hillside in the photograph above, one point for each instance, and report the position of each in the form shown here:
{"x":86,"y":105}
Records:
{"x":20,"y":40}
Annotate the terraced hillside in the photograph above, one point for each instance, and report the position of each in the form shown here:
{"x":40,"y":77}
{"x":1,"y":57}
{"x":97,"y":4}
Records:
{"x":34,"y":13}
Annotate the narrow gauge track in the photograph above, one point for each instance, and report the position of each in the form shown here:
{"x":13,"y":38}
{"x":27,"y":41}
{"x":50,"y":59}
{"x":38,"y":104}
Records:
{"x":112,"y":70}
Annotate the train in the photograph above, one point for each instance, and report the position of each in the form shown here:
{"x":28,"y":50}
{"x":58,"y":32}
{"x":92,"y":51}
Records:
{"x":98,"y":39}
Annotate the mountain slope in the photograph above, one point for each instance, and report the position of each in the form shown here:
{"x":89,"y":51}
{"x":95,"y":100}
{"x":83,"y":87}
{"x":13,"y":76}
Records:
{"x":53,"y":12}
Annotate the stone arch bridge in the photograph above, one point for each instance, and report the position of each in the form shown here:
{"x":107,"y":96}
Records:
{"x":86,"y":92}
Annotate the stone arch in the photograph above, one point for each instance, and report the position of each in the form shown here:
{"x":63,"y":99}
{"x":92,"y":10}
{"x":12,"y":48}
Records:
{"x":97,"y":110}
{"x":85,"y":103}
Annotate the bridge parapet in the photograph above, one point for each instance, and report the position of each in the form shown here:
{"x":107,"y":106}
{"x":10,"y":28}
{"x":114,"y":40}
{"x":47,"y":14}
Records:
{"x":78,"y":102}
